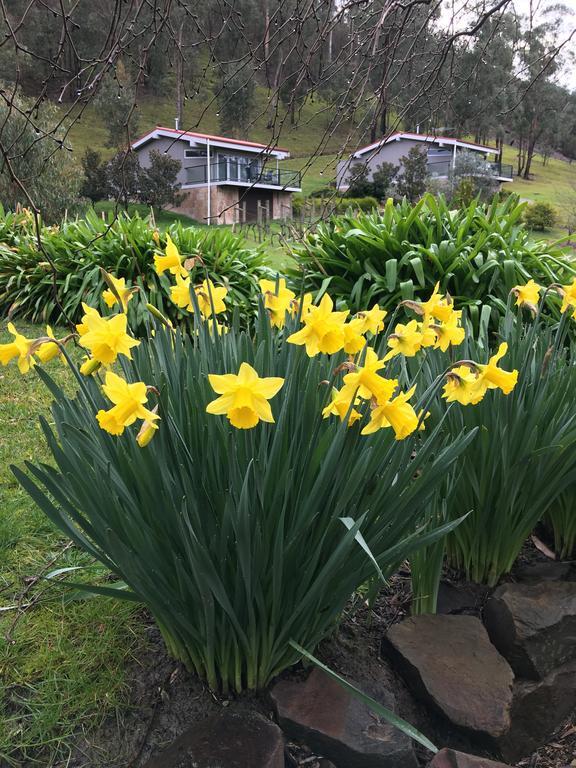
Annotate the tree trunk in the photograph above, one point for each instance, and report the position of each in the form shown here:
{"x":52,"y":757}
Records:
{"x":180,"y":78}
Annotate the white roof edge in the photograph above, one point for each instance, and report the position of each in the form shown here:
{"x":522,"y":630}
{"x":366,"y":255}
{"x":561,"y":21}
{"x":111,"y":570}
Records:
{"x":425,"y":138}
{"x":230,"y":144}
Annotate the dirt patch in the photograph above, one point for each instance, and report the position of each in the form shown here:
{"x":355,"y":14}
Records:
{"x":165,"y":699}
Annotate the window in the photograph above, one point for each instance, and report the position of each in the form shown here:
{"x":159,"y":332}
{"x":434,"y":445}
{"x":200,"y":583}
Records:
{"x":189,"y":153}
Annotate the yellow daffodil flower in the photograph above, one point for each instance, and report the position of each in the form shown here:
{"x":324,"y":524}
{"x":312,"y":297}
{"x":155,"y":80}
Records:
{"x":428,"y":333}
{"x":19,"y":348}
{"x":243,"y":396}
{"x":339,"y":406}
{"x":49,"y":350}
{"x":209,"y":296}
{"x":463,"y":386}
{"x":89,"y":366}
{"x":82,"y":327}
{"x":156,"y":237}
{"x":353,"y":339}
{"x":129,"y":400}
{"x":180,"y":293}
{"x":437,"y":306}
{"x":569,"y":297}
{"x":449,"y":332}
{"x":492,"y":377}
{"x":406,"y":340}
{"x":277,"y":300}
{"x":106,"y":337}
{"x":124,"y":293}
{"x":171,"y":261}
{"x":147,"y":430}
{"x":366,"y":382}
{"x":528,"y":294}
{"x":396,"y":413}
{"x":372,"y":321}
{"x":306,"y":302}
{"x":323,"y":329}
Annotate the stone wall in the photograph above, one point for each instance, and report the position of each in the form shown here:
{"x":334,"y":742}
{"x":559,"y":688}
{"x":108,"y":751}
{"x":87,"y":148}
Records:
{"x":195,"y":204}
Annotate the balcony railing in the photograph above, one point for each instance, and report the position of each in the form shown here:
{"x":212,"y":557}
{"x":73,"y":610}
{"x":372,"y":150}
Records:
{"x":230,"y":169}
{"x":496,"y":170}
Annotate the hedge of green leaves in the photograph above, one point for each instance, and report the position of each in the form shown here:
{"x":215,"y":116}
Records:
{"x":477,"y":253}
{"x":124,"y":246}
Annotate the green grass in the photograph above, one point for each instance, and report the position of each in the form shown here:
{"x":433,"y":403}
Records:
{"x":550,"y":183}
{"x":61,"y":664}
{"x":162,"y":218}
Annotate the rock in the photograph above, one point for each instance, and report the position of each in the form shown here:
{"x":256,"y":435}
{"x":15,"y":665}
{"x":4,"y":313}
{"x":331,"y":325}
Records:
{"x":538,"y":709}
{"x":450,"y":758}
{"x":546,"y":571}
{"x":461,"y":598}
{"x":449,"y":662}
{"x":337,"y":725}
{"x":534,"y":625}
{"x":227,"y":740}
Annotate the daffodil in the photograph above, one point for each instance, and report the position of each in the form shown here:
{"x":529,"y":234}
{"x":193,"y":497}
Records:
{"x":366,"y":382}
{"x":406,"y":340}
{"x":171,"y":261}
{"x":463,"y":386}
{"x":428,"y":333}
{"x":82,"y":326}
{"x":569,"y":297}
{"x":18,"y":349}
{"x":277,"y":300}
{"x":89,"y":366}
{"x":180,"y":293}
{"x":305,"y":302}
{"x":210,"y":297}
{"x":129,"y":401}
{"x":147,"y":430}
{"x":106,"y":337}
{"x":492,"y":377}
{"x":243,"y":396}
{"x":449,"y":332}
{"x":372,"y":321}
{"x":353,"y":339}
{"x":340,"y":406}
{"x":396,"y":413}
{"x":49,"y":350}
{"x":528,"y":294}
{"x":123,"y":293}
{"x":437,"y":306}
{"x":323,"y":329}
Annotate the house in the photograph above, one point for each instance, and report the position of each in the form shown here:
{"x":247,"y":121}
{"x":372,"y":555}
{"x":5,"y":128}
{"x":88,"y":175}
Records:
{"x":441,"y":152}
{"x":224,"y":180}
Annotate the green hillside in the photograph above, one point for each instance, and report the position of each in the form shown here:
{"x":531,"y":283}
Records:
{"x":553,"y":182}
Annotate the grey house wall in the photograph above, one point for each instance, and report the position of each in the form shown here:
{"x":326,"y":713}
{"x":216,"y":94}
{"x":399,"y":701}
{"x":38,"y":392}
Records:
{"x":388,"y":153}
{"x":176,"y":149}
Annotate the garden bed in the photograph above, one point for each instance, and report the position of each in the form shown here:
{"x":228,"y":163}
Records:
{"x":166,"y":701}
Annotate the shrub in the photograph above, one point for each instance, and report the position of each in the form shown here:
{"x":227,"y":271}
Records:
{"x":477,"y":254}
{"x":540,"y":216}
{"x":157,"y":184}
{"x":242,"y":538}
{"x":345,"y":204}
{"x":359,"y":184}
{"x":411,"y":182}
{"x":95,"y":185}
{"x":124,"y":246}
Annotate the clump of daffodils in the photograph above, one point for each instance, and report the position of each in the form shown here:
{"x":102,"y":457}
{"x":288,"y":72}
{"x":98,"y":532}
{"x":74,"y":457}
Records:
{"x":362,"y":394}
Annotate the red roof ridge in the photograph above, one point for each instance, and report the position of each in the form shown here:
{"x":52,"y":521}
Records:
{"x":197,"y":134}
{"x":433,"y":136}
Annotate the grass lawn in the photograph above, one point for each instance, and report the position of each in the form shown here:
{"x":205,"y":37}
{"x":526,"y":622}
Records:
{"x":60,"y":664}
{"x":551,"y":183}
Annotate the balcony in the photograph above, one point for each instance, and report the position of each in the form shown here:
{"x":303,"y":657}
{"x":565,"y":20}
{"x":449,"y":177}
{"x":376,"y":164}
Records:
{"x":233,"y":170}
{"x":442,"y":168}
